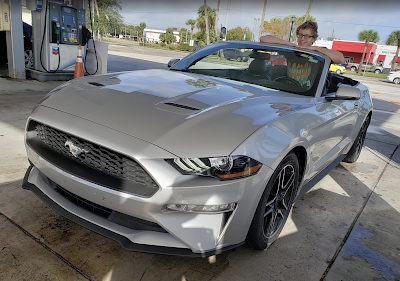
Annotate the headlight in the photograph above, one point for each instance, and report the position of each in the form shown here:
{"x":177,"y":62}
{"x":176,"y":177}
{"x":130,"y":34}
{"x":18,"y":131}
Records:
{"x":223,"y":168}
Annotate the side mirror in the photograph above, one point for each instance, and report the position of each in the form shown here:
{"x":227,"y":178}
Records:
{"x":172,"y":62}
{"x":346,"y":92}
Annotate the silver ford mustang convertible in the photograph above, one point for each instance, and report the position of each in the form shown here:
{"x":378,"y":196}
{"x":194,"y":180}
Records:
{"x":200,"y":158}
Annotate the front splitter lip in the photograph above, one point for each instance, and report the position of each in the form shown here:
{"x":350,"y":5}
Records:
{"x":124,"y":242}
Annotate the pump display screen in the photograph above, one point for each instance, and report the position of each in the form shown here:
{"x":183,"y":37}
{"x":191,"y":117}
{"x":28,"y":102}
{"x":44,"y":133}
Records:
{"x":68,"y":19}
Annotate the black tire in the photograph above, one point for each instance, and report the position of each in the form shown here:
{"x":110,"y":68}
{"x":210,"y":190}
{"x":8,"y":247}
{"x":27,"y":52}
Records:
{"x":353,"y":68}
{"x":396,"y":80}
{"x":338,"y":71}
{"x":275,"y":204}
{"x":355,"y":149}
{"x":239,"y":59}
{"x":377,"y":71}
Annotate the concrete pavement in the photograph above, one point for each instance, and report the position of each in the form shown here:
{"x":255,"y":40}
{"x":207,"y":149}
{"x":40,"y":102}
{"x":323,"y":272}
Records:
{"x":346,"y":228}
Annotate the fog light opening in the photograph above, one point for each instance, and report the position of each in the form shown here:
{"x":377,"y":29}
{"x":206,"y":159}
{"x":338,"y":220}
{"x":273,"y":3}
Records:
{"x":192,"y":208}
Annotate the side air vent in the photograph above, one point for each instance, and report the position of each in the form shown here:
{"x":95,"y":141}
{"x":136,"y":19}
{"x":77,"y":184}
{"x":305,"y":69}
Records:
{"x":96,"y":84}
{"x":181,"y":106}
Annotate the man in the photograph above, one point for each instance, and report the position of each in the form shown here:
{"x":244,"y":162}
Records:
{"x":307,"y":33}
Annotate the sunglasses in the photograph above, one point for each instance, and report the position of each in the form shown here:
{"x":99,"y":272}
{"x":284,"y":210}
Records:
{"x":305,"y":36}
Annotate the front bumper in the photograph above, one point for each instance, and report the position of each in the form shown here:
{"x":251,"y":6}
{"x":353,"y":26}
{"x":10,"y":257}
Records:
{"x":123,"y":240}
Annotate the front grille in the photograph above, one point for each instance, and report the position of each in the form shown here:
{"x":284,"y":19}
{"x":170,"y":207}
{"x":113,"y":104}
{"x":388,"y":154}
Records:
{"x":106,"y":213}
{"x":114,"y":170}
{"x":83,"y":203}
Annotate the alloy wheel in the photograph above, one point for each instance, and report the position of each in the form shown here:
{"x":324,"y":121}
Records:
{"x":361,"y":138}
{"x":278,"y":204}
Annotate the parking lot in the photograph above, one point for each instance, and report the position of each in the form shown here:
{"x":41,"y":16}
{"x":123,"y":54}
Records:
{"x":347,"y":227}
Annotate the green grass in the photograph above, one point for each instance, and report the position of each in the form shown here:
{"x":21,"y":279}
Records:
{"x":367,"y":74}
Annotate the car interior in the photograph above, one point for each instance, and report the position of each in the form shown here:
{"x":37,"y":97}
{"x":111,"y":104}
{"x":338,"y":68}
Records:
{"x":262,"y":69}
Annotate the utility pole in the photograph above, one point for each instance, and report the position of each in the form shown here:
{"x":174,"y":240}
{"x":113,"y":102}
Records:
{"x":216,"y":21}
{"x":227,"y":14}
{"x":308,"y":11}
{"x":206,"y":21}
{"x":262,"y":20}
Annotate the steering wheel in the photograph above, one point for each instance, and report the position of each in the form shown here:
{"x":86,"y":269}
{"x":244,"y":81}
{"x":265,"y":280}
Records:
{"x":288,"y":79}
{"x":256,"y":76}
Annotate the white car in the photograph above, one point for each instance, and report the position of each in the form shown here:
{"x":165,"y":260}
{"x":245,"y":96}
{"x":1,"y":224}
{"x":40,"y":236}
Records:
{"x":394,"y":76}
{"x":200,"y":158}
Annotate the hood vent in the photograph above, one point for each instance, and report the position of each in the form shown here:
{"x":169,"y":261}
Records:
{"x":181,"y":106}
{"x":96,"y":84}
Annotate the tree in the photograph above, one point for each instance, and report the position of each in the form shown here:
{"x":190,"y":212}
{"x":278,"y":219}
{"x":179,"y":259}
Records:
{"x":206,"y":23}
{"x":281,"y":27}
{"x":168,"y":37}
{"x":108,"y":18}
{"x":140,"y":29}
{"x":308,"y":11}
{"x":201,"y":24}
{"x":183,"y":34}
{"x":238,"y":34}
{"x":216,"y":21}
{"x":367,"y":36}
{"x":192,"y":23}
{"x":394,"y":39}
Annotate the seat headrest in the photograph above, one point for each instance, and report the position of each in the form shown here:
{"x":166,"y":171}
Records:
{"x":258,"y":67}
{"x":278,"y":71}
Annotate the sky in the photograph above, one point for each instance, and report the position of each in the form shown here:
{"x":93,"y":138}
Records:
{"x":344,"y":19}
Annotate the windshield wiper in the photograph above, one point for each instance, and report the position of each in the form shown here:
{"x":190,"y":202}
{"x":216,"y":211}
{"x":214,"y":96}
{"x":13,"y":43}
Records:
{"x":183,"y":70}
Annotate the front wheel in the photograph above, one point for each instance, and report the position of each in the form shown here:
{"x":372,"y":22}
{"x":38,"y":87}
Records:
{"x":355,"y":150}
{"x":239,"y":59}
{"x":396,"y":80}
{"x":377,"y":71}
{"x":338,"y":71}
{"x":353,"y":68}
{"x":275,"y":204}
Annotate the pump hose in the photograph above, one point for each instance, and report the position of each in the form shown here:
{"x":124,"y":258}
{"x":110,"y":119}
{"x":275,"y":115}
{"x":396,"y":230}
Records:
{"x":94,"y":45}
{"x":41,"y":47}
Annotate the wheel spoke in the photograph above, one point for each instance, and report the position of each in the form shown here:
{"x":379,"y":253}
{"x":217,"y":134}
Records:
{"x":268,"y":210}
{"x":269,"y":225}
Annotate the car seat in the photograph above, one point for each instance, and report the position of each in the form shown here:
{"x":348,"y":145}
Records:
{"x":277,"y":71}
{"x":257,"y":70}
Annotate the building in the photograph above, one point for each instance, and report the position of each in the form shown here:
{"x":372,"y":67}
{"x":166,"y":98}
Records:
{"x":153,"y":35}
{"x":353,"y":50}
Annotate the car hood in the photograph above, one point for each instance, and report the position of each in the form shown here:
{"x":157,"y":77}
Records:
{"x":186,"y":114}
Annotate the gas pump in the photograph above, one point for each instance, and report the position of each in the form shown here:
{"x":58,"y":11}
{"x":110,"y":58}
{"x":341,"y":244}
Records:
{"x":57,"y":28}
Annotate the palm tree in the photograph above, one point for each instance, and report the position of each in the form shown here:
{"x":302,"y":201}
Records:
{"x":192,"y":24}
{"x":206,"y":21}
{"x":394,"y":39}
{"x":367,"y":36}
{"x":216,"y":20}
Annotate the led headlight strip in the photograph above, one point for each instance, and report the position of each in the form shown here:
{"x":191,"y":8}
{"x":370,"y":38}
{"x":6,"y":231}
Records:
{"x":223,"y":168}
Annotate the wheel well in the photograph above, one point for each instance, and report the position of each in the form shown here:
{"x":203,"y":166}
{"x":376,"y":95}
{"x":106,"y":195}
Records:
{"x":301,"y":154}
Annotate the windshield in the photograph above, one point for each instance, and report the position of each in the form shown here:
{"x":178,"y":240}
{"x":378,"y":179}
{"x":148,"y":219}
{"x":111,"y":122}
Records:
{"x":287,"y":70}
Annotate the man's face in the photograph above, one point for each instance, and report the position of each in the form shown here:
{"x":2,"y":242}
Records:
{"x":304,"y":38}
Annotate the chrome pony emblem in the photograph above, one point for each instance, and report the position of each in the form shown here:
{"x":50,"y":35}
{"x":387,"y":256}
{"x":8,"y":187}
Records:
{"x":74,"y":149}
